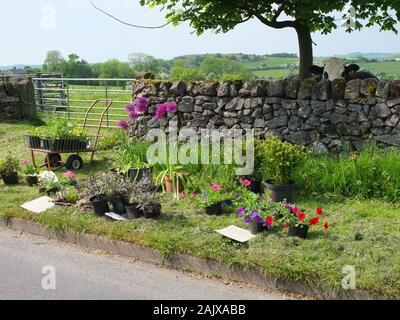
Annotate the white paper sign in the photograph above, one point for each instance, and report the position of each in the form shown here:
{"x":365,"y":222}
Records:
{"x":236,"y":233}
{"x":115,"y":216}
{"x":38,"y":205}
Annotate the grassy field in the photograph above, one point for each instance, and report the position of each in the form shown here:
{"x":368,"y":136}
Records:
{"x":363,"y":233}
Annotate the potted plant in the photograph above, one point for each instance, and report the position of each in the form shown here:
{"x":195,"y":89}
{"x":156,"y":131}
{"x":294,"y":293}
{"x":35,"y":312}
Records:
{"x":213,"y":200}
{"x":67,"y":196}
{"x":148,"y":205}
{"x":258,"y":211}
{"x":9,"y":169}
{"x":34,"y":140}
{"x":279,"y":159}
{"x":79,"y":139}
{"x":299,"y":220}
{"x":48,"y":182}
{"x":172,"y":179}
{"x":132,"y":210}
{"x":99,"y":204}
{"x":31,"y":173}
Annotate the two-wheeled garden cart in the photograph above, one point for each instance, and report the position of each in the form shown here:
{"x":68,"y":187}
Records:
{"x":54,"y":147}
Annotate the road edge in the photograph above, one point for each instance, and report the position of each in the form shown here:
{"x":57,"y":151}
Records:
{"x":184,"y":262}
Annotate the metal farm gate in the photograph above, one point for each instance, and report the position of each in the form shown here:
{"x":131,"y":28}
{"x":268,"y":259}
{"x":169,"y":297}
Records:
{"x":71,"y":97}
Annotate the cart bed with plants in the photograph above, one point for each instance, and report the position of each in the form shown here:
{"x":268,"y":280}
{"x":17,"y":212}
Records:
{"x":60,"y":136}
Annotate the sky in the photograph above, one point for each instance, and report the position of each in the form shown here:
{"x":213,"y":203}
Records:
{"x":31,"y":28}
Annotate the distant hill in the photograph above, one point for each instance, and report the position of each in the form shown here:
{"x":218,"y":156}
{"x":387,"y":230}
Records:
{"x":370,"y":55}
{"x":20,"y":66}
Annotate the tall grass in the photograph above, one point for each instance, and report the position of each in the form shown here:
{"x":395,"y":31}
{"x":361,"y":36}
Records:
{"x":373,"y":173}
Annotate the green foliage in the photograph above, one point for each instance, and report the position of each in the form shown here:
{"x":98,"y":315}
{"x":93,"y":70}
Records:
{"x":180,"y":72}
{"x":61,"y":128}
{"x":68,"y":195}
{"x":278,"y":159}
{"x":113,"y":141}
{"x":28,"y":168}
{"x":224,"y":68}
{"x":212,"y":195}
{"x":373,"y":173}
{"x":133,"y":154}
{"x":9,"y":164}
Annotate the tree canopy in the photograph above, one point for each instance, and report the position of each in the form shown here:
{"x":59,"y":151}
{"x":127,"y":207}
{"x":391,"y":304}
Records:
{"x":305,"y":16}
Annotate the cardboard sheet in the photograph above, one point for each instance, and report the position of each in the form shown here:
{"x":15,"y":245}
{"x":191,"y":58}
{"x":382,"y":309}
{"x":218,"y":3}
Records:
{"x":38,"y":205}
{"x":236,"y":233}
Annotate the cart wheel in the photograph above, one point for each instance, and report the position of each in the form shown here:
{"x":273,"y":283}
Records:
{"x":54,"y":158}
{"x":74,"y":162}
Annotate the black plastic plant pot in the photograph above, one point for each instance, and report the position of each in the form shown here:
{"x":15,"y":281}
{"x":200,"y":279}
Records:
{"x":215,"y":209}
{"x":34,"y":142}
{"x":132,"y":212}
{"x":136,"y":174}
{"x":118,"y":204}
{"x":153,"y":212}
{"x":255,"y":185}
{"x":47,"y":144}
{"x":32,"y":180}
{"x":281,"y":192}
{"x":52,"y":191}
{"x":256,"y":227}
{"x":58,"y":145}
{"x":99,"y":205}
{"x":10,"y":179}
{"x":300,"y":231}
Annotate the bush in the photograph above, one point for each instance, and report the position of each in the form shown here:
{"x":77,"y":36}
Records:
{"x":10,"y":164}
{"x":278,"y":159}
{"x":112,"y":141}
{"x":373,"y":173}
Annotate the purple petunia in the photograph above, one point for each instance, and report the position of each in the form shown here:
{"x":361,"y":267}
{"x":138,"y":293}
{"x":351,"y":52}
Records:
{"x":257,"y":218}
{"x":240,"y":211}
{"x":204,"y":196}
{"x":124,"y":125}
{"x":253,"y":214}
{"x":247,"y":220}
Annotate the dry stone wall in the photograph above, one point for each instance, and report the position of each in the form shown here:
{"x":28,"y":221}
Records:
{"x":327,"y":116}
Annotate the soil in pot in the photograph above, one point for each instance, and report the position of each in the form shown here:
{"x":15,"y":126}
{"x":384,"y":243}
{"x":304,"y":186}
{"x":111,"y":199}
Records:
{"x":118,"y":204}
{"x":99,"y":205}
{"x":298,"y":231}
{"x":216,"y":209}
{"x":34,"y":142}
{"x":32,"y":180}
{"x":281,"y":192}
{"x":132,"y":212}
{"x":10,"y":179}
{"x":256,"y":227}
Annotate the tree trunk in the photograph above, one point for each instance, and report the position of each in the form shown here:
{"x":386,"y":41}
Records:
{"x":306,"y":50}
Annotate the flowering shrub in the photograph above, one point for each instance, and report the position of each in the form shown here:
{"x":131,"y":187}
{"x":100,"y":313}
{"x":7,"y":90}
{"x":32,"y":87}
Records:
{"x":301,"y":217}
{"x":28,"y":168}
{"x":213,"y":195}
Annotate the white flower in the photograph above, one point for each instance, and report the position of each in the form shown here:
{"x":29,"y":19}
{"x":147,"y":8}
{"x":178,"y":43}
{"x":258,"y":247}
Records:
{"x":48,"y":177}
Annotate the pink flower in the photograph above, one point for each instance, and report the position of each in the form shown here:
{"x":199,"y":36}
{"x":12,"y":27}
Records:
{"x":123,"y":124}
{"x":171,"y":107}
{"x":25,"y":162}
{"x":246,"y":182}
{"x":130,"y":107}
{"x":161,"y":111}
{"x":193,"y":195}
{"x":141,"y":105}
{"x":70,"y":174}
{"x":133,"y":115}
{"x":215,"y":187}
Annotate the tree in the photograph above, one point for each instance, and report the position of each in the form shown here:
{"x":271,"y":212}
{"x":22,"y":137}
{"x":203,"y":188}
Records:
{"x":142,"y":62}
{"x":180,"y":71}
{"x":223,"y":68}
{"x":53,"y":61}
{"x":75,"y":68}
{"x":304,"y":16}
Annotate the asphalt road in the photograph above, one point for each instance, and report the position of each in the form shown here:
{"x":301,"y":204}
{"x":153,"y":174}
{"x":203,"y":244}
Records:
{"x":90,"y":274}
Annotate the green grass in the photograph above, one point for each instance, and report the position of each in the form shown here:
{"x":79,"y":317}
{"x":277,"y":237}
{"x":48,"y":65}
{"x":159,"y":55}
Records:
{"x":363,"y":233}
{"x":270,"y":62}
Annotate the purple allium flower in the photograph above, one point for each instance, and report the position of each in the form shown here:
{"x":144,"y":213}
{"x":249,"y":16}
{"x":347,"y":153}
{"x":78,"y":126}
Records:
{"x":130,"y":107}
{"x":247,"y":220}
{"x":240,"y":211}
{"x":141,"y":104}
{"x":171,"y":106}
{"x":133,"y":115}
{"x":161,"y":111}
{"x":123,"y":124}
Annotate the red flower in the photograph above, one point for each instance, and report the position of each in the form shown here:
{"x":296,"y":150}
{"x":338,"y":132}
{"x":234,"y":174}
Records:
{"x":301,"y":216}
{"x":296,"y":210}
{"x":326,"y":225}
{"x":286,"y":225}
{"x":269,"y":220}
{"x":319,"y":211}
{"x":314,"y":220}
